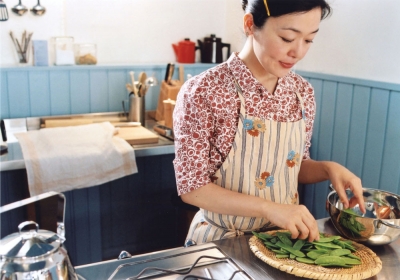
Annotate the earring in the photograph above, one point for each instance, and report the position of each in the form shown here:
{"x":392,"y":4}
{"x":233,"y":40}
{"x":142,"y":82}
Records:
{"x":247,"y":33}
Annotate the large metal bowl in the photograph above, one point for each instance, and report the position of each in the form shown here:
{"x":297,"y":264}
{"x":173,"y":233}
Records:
{"x":378,"y":226}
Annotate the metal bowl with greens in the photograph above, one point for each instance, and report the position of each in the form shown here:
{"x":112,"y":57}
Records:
{"x":378,"y":226}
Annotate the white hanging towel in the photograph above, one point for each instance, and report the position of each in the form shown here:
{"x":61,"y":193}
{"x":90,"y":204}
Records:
{"x":66,"y":158}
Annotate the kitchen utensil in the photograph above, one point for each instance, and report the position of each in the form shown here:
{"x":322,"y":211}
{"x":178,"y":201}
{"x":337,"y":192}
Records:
{"x":379,"y":225}
{"x":164,"y":131}
{"x":181,"y":74}
{"x":151,"y":81}
{"x":211,"y":49}
{"x":36,"y":253}
{"x":129,"y":87}
{"x":142,"y":81}
{"x":3,"y":11}
{"x":167,"y":72}
{"x":185,"y":51}
{"x":19,"y":9}
{"x":132,"y":74}
{"x":38,"y":9}
{"x":170,"y":72}
{"x":3,"y":145}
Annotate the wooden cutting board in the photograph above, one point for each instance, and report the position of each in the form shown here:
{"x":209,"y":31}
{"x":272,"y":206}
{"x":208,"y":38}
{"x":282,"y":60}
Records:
{"x":78,"y":121}
{"x":137,"y":135}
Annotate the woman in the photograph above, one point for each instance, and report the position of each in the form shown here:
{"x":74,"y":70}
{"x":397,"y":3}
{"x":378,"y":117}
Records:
{"x":243,"y":131}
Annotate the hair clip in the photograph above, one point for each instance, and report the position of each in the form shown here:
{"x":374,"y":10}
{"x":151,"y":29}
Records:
{"x":266,"y":7}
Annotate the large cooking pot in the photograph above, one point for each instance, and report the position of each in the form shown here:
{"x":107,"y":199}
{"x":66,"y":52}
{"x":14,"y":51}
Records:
{"x":378,"y":226}
{"x":33,"y":253}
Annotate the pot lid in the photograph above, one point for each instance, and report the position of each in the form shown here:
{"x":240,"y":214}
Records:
{"x":29,"y":244}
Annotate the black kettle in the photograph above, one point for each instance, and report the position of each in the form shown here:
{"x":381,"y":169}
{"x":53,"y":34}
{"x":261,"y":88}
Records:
{"x":211,"y":49}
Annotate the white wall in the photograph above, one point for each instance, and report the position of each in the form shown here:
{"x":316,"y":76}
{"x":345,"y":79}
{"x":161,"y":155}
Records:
{"x":125,"y":31}
{"x":361,"y":39}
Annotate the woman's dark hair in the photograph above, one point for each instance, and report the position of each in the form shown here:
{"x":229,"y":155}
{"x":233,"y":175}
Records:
{"x":279,"y":8}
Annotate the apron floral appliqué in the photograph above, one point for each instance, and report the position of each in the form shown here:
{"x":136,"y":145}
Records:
{"x":293,"y":159}
{"x":254,"y":127}
{"x":265,"y":180}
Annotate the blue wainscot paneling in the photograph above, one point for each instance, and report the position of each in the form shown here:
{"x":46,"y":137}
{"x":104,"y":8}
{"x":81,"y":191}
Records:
{"x":356,"y":125}
{"x":64,"y":90}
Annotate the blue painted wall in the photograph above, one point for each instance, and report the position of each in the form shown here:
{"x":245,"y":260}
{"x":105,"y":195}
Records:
{"x":357,"y":125}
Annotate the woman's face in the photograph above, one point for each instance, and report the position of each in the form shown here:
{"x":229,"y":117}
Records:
{"x":285,"y":40}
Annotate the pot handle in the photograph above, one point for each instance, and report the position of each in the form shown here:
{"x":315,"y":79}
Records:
{"x":388,"y":224}
{"x":24,"y":224}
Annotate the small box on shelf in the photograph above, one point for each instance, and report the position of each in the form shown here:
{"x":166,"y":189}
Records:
{"x":40,"y":53}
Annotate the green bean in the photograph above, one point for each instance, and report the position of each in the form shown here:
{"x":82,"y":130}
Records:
{"x":330,"y":261}
{"x":340,"y":252}
{"x":262,"y":236}
{"x":316,"y":254}
{"x":326,"y":245}
{"x":280,"y":251}
{"x":325,"y":240}
{"x":351,"y":260}
{"x":282,"y":256}
{"x":299,"y":244}
{"x":297,"y":253}
{"x":305,"y":260}
{"x":284,"y":238}
{"x":353,"y":257}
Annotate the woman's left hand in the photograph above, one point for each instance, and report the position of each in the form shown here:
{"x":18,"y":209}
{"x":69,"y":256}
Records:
{"x":343,"y":179}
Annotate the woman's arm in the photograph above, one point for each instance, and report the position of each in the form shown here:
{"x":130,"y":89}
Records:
{"x":295,"y":218}
{"x":312,"y":171}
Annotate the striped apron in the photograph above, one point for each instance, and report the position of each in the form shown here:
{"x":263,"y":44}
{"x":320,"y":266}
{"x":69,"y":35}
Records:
{"x":264,"y":161}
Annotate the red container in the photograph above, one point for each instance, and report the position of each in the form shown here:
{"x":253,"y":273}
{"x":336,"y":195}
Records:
{"x":185,"y":51}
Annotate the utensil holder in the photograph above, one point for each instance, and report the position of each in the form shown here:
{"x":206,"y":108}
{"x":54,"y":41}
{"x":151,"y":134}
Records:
{"x":137,"y":109}
{"x":167,"y":91}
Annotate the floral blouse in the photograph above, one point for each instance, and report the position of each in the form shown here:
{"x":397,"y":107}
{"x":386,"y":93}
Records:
{"x":207,"y":111}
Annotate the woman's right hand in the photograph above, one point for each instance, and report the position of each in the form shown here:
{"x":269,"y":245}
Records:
{"x":295,"y":218}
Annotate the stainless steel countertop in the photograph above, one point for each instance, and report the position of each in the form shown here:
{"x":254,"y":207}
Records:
{"x":239,"y":251}
{"x":14,"y":159}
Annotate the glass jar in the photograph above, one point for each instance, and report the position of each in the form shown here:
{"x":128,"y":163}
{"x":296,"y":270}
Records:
{"x":85,"y":54}
{"x":63,"y":48}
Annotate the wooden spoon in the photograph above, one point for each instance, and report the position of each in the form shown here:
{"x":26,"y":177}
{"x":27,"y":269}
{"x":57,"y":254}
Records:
{"x":132,"y":74}
{"x":142,"y":81}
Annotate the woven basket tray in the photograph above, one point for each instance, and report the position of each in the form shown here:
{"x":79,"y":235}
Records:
{"x":371,"y":264}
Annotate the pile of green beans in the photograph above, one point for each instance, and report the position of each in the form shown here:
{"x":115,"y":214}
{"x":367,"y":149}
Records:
{"x":328,"y":251}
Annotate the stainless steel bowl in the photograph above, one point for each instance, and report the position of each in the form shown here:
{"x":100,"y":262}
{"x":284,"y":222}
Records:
{"x":378,"y":226}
